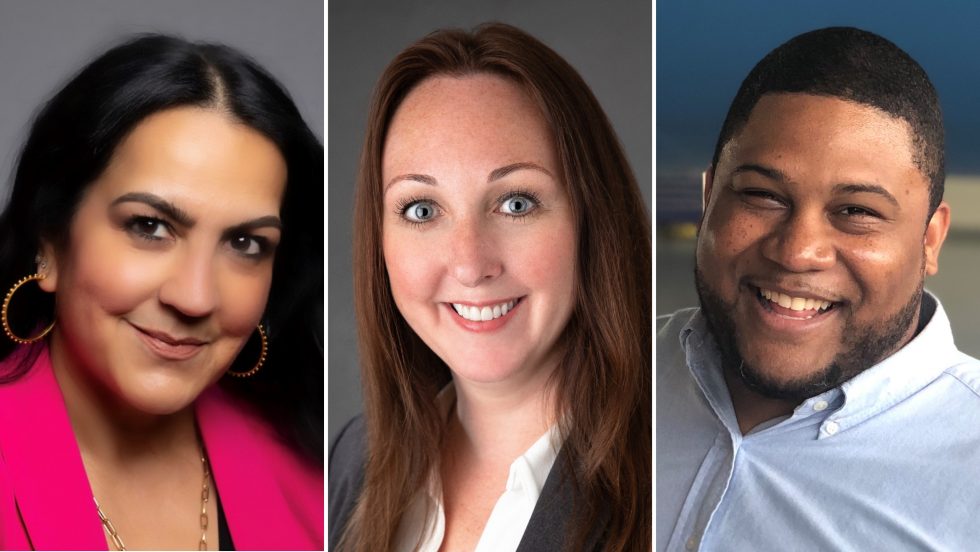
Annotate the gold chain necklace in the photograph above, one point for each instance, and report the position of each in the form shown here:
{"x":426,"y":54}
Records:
{"x":205,"y":492}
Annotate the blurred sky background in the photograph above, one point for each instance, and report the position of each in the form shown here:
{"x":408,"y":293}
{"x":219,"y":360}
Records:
{"x":705,"y":48}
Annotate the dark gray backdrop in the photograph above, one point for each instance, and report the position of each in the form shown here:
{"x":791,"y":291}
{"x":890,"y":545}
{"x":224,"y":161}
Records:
{"x":609,"y":43}
{"x":44,"y":42}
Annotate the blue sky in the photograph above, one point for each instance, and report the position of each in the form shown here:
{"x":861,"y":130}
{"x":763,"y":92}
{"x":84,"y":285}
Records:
{"x":705,"y":49}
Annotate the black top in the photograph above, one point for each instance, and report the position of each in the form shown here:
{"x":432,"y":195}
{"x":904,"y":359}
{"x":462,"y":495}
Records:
{"x":224,"y":535}
{"x":550,"y":523}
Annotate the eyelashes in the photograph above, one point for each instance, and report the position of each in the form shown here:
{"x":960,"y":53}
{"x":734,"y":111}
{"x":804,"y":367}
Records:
{"x":152,"y":229}
{"x":155,"y":230}
{"x":515,"y":204}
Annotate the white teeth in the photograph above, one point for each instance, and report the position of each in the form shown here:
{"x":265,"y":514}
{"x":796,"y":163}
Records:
{"x":794,"y":303}
{"x":483,"y":314}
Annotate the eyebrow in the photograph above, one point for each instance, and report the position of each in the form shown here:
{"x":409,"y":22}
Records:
{"x":495,"y":174}
{"x":768,"y":172}
{"x":269,"y":221}
{"x":844,"y":188}
{"x":182,"y":218}
{"x":169,"y":209}
{"x":861,"y":188}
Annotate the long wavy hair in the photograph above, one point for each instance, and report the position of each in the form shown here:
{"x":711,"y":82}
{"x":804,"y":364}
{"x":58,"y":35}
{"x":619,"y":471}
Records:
{"x":71,"y":141}
{"x":603,"y":380}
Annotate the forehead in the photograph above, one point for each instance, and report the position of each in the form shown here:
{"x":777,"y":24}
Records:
{"x":199,"y":156}
{"x":479,"y":118}
{"x":825,"y":139}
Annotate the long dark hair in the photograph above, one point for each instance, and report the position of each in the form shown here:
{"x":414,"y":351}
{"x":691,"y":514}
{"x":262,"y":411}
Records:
{"x":70,"y":143}
{"x":603,"y":381}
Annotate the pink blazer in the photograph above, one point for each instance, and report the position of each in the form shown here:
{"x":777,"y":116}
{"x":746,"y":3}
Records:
{"x":272,"y":500}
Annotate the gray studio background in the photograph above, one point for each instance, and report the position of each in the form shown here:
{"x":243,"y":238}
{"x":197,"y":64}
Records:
{"x":704,"y":50}
{"x":44,"y":42}
{"x":609,"y":43}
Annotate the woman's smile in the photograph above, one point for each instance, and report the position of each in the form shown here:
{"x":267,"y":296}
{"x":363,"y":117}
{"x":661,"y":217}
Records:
{"x":485,"y":317}
{"x":167,"y":346}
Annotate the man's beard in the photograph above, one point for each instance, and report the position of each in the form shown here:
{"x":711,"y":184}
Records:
{"x":862,"y":347}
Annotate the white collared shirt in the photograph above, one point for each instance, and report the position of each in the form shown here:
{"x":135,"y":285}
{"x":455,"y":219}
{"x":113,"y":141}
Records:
{"x":885,"y":461}
{"x":505,"y":526}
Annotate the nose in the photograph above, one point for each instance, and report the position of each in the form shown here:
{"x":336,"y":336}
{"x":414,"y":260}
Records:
{"x":474,"y":256}
{"x":190,"y":287}
{"x":803,"y":242}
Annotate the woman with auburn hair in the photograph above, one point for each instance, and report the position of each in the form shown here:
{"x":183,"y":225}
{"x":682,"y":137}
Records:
{"x":502,"y":263}
{"x":160,"y":363}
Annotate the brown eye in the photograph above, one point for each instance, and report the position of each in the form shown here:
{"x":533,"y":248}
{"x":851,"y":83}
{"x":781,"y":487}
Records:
{"x":249,"y":246}
{"x":148,"y":228}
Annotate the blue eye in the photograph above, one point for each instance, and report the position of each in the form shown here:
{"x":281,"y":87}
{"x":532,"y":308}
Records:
{"x":518,"y":205}
{"x":419,"y":211}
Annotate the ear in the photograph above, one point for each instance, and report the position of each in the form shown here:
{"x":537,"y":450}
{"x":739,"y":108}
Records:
{"x":935,"y":235}
{"x":707,"y":182}
{"x":50,"y":270}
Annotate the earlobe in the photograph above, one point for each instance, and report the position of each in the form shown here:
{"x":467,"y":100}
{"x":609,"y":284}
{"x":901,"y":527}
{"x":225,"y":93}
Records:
{"x":47,"y":266}
{"x":934,"y":237}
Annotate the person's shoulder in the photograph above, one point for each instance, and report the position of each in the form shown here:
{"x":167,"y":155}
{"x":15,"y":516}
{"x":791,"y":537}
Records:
{"x":345,"y":475}
{"x":966,"y":372}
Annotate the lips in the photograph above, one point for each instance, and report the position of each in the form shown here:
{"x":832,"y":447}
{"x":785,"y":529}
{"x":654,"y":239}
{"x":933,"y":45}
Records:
{"x":167,"y":346}
{"x":484,"y":317}
{"x":483,"y":314}
{"x":793,"y":311}
{"x":795,"y":303}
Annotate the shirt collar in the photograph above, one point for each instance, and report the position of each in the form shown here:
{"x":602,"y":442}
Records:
{"x":894,"y":379}
{"x":871,"y":392}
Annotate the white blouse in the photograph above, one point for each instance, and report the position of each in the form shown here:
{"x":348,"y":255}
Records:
{"x":510,"y":515}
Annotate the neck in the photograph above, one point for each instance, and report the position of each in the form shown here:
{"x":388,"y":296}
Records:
{"x":751,"y":408}
{"x":502,"y":419}
{"x":109,"y":430}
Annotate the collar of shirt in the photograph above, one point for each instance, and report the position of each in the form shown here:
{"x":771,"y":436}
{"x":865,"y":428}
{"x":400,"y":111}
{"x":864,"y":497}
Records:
{"x":426,"y":519}
{"x":872,"y":391}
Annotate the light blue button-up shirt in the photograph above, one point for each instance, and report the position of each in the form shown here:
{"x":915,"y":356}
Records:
{"x":890,"y":460}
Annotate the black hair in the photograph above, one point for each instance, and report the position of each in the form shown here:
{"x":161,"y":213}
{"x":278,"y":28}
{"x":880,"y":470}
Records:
{"x":854,"y":65}
{"x":72,"y":140}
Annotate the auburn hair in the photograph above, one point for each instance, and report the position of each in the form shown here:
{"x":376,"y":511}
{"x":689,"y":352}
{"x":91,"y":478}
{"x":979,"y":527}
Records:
{"x":603,"y":380}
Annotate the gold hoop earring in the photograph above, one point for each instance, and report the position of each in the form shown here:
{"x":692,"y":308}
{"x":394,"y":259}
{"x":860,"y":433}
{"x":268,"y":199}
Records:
{"x":262,"y":355}
{"x":6,"y":305}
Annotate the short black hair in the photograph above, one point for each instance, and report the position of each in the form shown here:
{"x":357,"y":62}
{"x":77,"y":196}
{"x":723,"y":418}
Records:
{"x":854,"y":65}
{"x":70,"y":143}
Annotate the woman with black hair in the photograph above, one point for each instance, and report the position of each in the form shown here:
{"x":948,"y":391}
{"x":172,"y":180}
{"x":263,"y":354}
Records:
{"x":161,"y":371}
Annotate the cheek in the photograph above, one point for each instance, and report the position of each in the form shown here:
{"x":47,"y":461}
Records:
{"x":243,"y":298}
{"x":115,"y":278}
{"x":544,"y":258}
{"x":886,"y":269}
{"x":724,"y":236}
{"x":411,"y":260}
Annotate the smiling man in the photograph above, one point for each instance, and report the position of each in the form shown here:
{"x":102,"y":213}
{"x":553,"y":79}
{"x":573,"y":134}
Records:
{"x":816,"y":400}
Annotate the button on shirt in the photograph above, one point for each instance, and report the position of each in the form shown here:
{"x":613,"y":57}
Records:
{"x":889,"y":460}
{"x":510,"y":515}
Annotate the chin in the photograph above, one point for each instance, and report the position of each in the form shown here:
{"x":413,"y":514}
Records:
{"x":789,"y":383}
{"x":488,"y":368}
{"x":159,"y":400}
